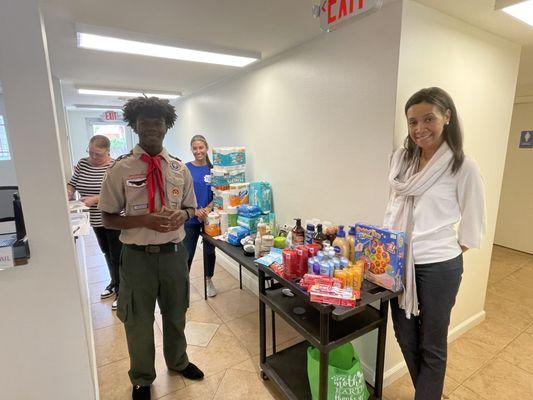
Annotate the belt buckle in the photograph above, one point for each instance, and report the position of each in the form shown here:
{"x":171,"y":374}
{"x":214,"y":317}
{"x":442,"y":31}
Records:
{"x":152,"y":249}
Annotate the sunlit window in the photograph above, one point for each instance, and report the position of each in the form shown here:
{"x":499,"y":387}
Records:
{"x":4,"y":146}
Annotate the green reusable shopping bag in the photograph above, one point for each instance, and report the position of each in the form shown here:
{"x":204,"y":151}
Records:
{"x":343,"y":383}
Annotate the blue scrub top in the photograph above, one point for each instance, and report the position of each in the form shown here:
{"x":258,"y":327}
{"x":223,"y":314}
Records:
{"x":201,"y":177}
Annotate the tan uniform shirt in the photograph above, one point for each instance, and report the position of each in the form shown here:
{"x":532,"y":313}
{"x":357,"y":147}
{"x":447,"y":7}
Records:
{"x":124,"y":190}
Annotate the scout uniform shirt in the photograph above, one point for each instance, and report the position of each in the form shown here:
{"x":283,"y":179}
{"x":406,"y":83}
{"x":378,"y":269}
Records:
{"x":124,"y":190}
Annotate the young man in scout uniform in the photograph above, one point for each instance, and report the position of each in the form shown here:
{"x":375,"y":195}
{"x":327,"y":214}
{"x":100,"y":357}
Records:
{"x":148,"y":195}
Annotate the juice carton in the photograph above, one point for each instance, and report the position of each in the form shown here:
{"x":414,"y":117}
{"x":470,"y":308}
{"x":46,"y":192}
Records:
{"x":383,"y":252}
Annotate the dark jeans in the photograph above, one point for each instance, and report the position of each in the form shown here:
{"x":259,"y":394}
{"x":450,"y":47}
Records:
{"x":191,"y":239}
{"x":424,"y":339}
{"x":111,"y":246}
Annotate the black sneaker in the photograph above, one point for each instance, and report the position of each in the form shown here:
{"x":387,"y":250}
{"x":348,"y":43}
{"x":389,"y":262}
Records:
{"x":108,"y":291}
{"x":192,"y":372}
{"x":140,"y":393}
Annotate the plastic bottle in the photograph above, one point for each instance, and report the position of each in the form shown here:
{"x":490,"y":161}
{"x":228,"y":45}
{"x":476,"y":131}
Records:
{"x":309,"y":233}
{"x":340,"y":244}
{"x":319,"y":237}
{"x":351,"y":241}
{"x":298,"y":233}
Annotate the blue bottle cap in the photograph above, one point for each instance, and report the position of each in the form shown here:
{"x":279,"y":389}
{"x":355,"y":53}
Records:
{"x":340,"y":232}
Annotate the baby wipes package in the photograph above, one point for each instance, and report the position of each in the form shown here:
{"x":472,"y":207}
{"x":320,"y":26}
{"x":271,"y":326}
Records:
{"x":260,"y":194}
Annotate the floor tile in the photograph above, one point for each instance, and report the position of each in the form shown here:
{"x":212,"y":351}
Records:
{"x":506,"y":312}
{"x":250,"y":365}
{"x":110,"y":343}
{"x":501,"y":380}
{"x":224,"y":351}
{"x":200,"y":333}
{"x":530,"y":329}
{"x":197,"y":269}
{"x":242,"y":385}
{"x":464,"y":358}
{"x":97,"y":260}
{"x":95,"y":289}
{"x":201,"y":311}
{"x":491,"y":336}
{"x":247,"y":331}
{"x":222,"y":280}
{"x":103,"y":316}
{"x":95,"y":275}
{"x":462,"y":393}
{"x":194,"y":295}
{"x":234,"y":304}
{"x":520,"y":352}
{"x":513,"y":291}
{"x":202,"y":390}
{"x":523,"y":276}
{"x":115,"y":384}
{"x":403,"y":388}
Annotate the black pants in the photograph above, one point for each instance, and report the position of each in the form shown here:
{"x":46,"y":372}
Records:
{"x":111,"y":246}
{"x":424,"y":339}
{"x":191,"y":239}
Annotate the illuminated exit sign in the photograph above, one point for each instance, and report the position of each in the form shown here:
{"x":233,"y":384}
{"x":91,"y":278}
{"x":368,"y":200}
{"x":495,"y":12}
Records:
{"x":332,"y":13}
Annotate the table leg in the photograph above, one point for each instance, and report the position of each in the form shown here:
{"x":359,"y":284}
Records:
{"x":205,"y":284}
{"x":240,"y":276}
{"x":273,"y":332}
{"x":262,"y":320}
{"x":324,"y":358}
{"x":380,"y":356}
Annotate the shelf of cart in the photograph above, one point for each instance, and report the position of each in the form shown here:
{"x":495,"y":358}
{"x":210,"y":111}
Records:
{"x":288,"y":370}
{"x":301,"y":315}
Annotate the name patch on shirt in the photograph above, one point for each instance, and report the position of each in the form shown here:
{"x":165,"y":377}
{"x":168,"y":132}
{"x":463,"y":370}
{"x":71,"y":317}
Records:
{"x":140,"y":206}
{"x":136,"y":182}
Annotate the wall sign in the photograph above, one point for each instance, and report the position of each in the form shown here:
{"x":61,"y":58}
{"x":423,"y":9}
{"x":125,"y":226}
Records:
{"x":526,"y":140}
{"x":332,"y":13}
{"x":110,"y":116}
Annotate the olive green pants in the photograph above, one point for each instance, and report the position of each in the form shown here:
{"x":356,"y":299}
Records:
{"x":145,"y":278}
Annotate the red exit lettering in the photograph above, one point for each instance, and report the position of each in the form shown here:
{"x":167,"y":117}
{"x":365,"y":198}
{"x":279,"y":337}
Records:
{"x":345,"y":8}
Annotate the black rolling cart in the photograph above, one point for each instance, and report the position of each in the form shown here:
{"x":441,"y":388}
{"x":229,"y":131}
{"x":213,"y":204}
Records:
{"x":323,"y":326}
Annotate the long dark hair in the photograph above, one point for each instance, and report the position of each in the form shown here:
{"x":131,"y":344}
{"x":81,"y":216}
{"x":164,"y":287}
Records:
{"x":452,"y":133}
{"x":201,"y":138}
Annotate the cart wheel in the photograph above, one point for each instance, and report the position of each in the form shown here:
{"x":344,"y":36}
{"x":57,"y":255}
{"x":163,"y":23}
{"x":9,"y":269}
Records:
{"x":264,"y":376}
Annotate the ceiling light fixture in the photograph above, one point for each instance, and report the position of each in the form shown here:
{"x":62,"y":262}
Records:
{"x":522,"y":11}
{"x":114,"y":44}
{"x":124,"y":93}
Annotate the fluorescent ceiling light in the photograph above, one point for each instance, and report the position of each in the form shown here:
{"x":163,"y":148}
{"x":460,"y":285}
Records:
{"x":95,"y":107}
{"x":107,"y":43}
{"x":522,"y":11}
{"x":120,"y":93}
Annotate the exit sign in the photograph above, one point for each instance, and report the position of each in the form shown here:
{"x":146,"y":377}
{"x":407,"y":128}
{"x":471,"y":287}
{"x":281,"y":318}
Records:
{"x":110,"y":116}
{"x":334,"y":12}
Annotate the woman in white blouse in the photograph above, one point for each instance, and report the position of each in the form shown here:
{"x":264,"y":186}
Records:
{"x":434,"y":189}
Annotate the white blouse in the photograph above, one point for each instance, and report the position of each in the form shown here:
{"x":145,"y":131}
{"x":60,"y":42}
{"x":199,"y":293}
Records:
{"x":450,"y":214}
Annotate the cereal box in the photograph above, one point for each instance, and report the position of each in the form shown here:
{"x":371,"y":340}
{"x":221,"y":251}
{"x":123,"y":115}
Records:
{"x":383,"y":252}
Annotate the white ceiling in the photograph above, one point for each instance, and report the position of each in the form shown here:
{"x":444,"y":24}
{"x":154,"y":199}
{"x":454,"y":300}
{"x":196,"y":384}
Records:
{"x":265,"y":26}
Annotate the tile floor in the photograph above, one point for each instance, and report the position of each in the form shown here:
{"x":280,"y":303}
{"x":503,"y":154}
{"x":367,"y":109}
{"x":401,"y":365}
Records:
{"x":492,"y":361}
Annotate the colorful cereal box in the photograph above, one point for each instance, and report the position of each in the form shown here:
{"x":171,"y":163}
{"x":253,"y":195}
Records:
{"x":383,"y":252}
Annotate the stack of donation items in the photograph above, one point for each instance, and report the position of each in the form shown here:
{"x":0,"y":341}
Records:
{"x":331,"y":265}
{"x":237,"y":203}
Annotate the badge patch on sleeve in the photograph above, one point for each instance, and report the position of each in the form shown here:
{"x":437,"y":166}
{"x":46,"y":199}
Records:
{"x":175,"y":192}
{"x":174,"y":165}
{"x":136,"y":182}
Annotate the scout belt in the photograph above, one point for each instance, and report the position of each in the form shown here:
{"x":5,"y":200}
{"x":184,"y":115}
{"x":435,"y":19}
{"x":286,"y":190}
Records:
{"x":155,"y":248}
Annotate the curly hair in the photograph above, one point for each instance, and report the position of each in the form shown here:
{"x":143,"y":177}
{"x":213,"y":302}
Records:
{"x":151,"y":107}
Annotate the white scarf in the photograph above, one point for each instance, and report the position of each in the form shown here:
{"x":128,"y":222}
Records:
{"x":405,"y":184}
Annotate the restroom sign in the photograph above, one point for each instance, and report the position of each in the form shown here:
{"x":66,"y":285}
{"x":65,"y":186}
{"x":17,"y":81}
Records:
{"x":332,"y":13}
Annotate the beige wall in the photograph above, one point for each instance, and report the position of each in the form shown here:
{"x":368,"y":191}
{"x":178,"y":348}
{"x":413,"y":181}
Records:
{"x":479,"y":70}
{"x":515,"y":216}
{"x":317,"y":123}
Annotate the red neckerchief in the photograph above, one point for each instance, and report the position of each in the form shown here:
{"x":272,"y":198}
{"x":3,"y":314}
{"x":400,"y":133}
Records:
{"x":154,"y":179}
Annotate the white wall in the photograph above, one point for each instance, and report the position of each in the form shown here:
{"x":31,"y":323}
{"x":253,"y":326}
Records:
{"x":515,"y":216}
{"x":45,"y":350}
{"x":479,"y":70}
{"x":317,"y":123}
{"x":7,"y":167}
